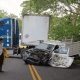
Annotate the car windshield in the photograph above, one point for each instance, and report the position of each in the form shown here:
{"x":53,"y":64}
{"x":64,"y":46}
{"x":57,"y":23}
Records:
{"x":61,"y":50}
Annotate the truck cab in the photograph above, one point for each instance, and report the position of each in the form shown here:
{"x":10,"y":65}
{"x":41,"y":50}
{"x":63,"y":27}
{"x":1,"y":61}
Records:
{"x":9,"y":30}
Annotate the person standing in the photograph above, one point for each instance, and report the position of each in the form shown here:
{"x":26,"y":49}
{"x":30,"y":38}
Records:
{"x":1,"y":54}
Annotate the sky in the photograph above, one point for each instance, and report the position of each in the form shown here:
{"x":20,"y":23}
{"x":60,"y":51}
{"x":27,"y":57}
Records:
{"x":11,"y":6}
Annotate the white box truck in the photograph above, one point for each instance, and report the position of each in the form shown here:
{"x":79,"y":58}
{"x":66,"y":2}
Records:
{"x":34,"y":29}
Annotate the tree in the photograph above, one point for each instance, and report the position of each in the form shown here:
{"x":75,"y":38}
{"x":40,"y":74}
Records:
{"x":3,"y":14}
{"x":12,"y":16}
{"x":67,"y":26}
{"x":36,"y":6}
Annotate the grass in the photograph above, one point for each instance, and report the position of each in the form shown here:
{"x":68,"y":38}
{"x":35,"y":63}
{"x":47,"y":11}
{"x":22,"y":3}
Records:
{"x":77,"y":61}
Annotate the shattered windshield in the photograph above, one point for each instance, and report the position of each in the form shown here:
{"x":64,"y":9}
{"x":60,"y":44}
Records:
{"x":61,"y":50}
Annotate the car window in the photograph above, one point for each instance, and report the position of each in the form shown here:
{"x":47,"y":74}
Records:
{"x":61,"y":50}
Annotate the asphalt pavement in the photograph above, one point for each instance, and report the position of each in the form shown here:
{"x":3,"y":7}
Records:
{"x":54,"y":73}
{"x":16,"y":69}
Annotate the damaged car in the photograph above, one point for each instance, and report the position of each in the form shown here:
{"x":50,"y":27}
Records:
{"x":41,"y":54}
{"x":48,"y":54}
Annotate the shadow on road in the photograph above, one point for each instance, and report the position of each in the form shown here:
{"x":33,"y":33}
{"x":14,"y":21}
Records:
{"x":75,"y":66}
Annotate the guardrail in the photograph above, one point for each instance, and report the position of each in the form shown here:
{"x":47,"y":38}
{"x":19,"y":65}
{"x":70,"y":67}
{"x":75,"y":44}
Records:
{"x":74,"y":48}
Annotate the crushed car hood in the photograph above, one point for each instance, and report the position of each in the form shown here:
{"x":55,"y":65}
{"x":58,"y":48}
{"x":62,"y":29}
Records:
{"x":61,"y":60}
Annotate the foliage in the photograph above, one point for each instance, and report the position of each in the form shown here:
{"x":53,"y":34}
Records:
{"x":60,"y":27}
{"x":3,"y":14}
{"x":37,"y":6}
{"x":12,"y":16}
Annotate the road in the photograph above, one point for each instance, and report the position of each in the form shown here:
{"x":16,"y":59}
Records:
{"x":16,"y":69}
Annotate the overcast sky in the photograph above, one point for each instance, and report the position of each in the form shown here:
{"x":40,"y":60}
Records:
{"x":11,"y":6}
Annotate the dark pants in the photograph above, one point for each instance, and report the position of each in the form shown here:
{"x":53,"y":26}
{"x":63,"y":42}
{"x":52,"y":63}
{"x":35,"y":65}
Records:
{"x":1,"y":61}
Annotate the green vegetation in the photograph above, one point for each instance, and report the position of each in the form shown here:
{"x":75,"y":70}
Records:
{"x":76,"y":61}
{"x":36,"y":6}
{"x":62,"y":28}
{"x":3,"y":14}
{"x":65,"y":27}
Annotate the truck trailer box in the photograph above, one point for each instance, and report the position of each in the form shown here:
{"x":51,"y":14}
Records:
{"x":34,"y":29}
{"x":9,"y":31}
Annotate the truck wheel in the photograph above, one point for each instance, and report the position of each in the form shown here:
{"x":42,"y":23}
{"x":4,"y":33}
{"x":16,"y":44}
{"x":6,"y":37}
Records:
{"x":22,"y":52}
